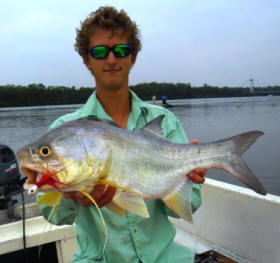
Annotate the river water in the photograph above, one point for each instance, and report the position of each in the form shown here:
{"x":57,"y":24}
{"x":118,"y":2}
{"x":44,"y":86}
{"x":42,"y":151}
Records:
{"x":203,"y":119}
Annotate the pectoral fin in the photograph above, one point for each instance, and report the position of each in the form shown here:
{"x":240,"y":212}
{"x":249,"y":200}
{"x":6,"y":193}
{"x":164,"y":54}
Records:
{"x":132,"y":203}
{"x":116,"y":209}
{"x":50,"y":199}
{"x":179,"y":201}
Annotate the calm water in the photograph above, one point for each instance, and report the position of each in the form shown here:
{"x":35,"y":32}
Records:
{"x":203,"y":119}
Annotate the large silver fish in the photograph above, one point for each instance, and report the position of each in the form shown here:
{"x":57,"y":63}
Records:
{"x":141,"y":164}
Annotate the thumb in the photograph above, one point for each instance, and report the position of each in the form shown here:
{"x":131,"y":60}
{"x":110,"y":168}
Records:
{"x":194,"y":141}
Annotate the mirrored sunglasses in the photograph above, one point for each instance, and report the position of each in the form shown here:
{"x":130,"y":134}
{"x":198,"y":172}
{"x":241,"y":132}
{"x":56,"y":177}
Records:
{"x":102,"y":52}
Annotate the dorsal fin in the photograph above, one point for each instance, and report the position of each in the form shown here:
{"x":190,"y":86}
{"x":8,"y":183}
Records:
{"x":94,"y":118}
{"x":154,"y":126}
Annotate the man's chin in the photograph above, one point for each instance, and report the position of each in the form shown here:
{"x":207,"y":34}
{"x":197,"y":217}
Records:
{"x":113,"y":85}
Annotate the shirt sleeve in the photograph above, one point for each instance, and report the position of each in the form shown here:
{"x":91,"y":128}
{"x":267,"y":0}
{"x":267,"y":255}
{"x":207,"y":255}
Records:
{"x":174,"y":131}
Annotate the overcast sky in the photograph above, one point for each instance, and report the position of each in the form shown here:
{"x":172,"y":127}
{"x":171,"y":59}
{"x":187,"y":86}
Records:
{"x":218,"y":42}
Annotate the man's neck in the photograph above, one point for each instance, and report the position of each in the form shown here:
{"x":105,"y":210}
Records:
{"x":116,"y":104}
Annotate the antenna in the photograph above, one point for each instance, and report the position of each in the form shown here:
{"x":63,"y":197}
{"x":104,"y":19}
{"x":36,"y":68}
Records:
{"x":251,"y":86}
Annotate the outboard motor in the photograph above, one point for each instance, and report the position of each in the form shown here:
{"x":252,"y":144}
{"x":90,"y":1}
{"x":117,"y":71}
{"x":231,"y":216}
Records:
{"x":10,"y":180}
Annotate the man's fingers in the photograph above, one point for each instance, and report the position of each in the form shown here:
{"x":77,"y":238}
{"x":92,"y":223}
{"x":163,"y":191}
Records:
{"x":86,"y":202}
{"x":98,"y":191}
{"x":194,"y":141}
{"x":196,"y":178}
{"x":200,"y":171}
{"x":107,"y":197}
{"x":101,"y":195}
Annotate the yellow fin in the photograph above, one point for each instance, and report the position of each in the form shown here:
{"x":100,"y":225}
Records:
{"x":116,"y":209}
{"x":132,"y":203}
{"x":50,"y":199}
{"x":180,"y":199}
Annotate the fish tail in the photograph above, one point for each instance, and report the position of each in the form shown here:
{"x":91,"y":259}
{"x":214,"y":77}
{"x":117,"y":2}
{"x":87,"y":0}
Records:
{"x":236,"y":166}
{"x":242,"y":142}
{"x":84,"y":192}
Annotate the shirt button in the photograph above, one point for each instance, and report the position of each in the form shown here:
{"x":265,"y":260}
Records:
{"x":134,"y":230}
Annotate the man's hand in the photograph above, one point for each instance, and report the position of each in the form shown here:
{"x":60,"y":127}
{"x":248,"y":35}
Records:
{"x":197,"y":176}
{"x":100,"y":194}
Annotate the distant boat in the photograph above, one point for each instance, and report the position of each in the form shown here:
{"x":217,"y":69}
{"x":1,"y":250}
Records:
{"x":166,"y":105}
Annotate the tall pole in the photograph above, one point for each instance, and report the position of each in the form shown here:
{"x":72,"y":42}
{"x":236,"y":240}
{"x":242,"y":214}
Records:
{"x":251,"y":86}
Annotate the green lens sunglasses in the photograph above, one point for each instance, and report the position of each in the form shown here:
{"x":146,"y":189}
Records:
{"x":101,"y":52}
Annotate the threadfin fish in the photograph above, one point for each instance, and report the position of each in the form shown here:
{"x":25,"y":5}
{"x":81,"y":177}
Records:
{"x":141,"y":164}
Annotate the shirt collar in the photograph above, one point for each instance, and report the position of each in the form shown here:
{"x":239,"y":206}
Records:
{"x":94,"y":107}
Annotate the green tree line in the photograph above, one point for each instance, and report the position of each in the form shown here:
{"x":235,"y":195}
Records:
{"x":38,"y":94}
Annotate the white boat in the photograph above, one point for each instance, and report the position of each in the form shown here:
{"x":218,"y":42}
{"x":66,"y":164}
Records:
{"x":232,"y":220}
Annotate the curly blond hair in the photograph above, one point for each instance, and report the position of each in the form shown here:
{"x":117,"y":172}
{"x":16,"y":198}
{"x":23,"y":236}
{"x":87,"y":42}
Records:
{"x":107,"y":17}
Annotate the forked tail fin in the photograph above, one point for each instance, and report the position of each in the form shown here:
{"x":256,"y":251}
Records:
{"x":236,"y":166}
{"x":228,"y":159}
{"x":243,"y":141}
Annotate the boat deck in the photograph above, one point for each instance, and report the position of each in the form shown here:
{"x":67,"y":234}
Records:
{"x":234,"y":223}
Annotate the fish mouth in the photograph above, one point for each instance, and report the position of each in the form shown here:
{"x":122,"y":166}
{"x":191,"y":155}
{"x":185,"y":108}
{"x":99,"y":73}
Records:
{"x":33,"y":176}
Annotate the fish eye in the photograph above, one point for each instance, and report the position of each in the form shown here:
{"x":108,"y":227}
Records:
{"x":45,"y":151}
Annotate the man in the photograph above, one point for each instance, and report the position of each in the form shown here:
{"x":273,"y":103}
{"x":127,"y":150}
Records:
{"x":108,"y":42}
{"x":163,"y":99}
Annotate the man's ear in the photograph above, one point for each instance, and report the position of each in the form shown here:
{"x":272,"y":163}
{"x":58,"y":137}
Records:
{"x":133,"y":59}
{"x":86,"y":63}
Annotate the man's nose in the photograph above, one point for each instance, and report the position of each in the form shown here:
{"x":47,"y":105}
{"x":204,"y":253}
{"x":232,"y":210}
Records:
{"x":111,"y":59}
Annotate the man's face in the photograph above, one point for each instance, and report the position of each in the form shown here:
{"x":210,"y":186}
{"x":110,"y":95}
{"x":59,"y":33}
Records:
{"x":112,"y":72}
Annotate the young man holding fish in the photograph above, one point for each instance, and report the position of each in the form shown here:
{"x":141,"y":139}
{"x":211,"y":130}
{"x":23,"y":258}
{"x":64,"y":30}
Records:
{"x":108,"y":41}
